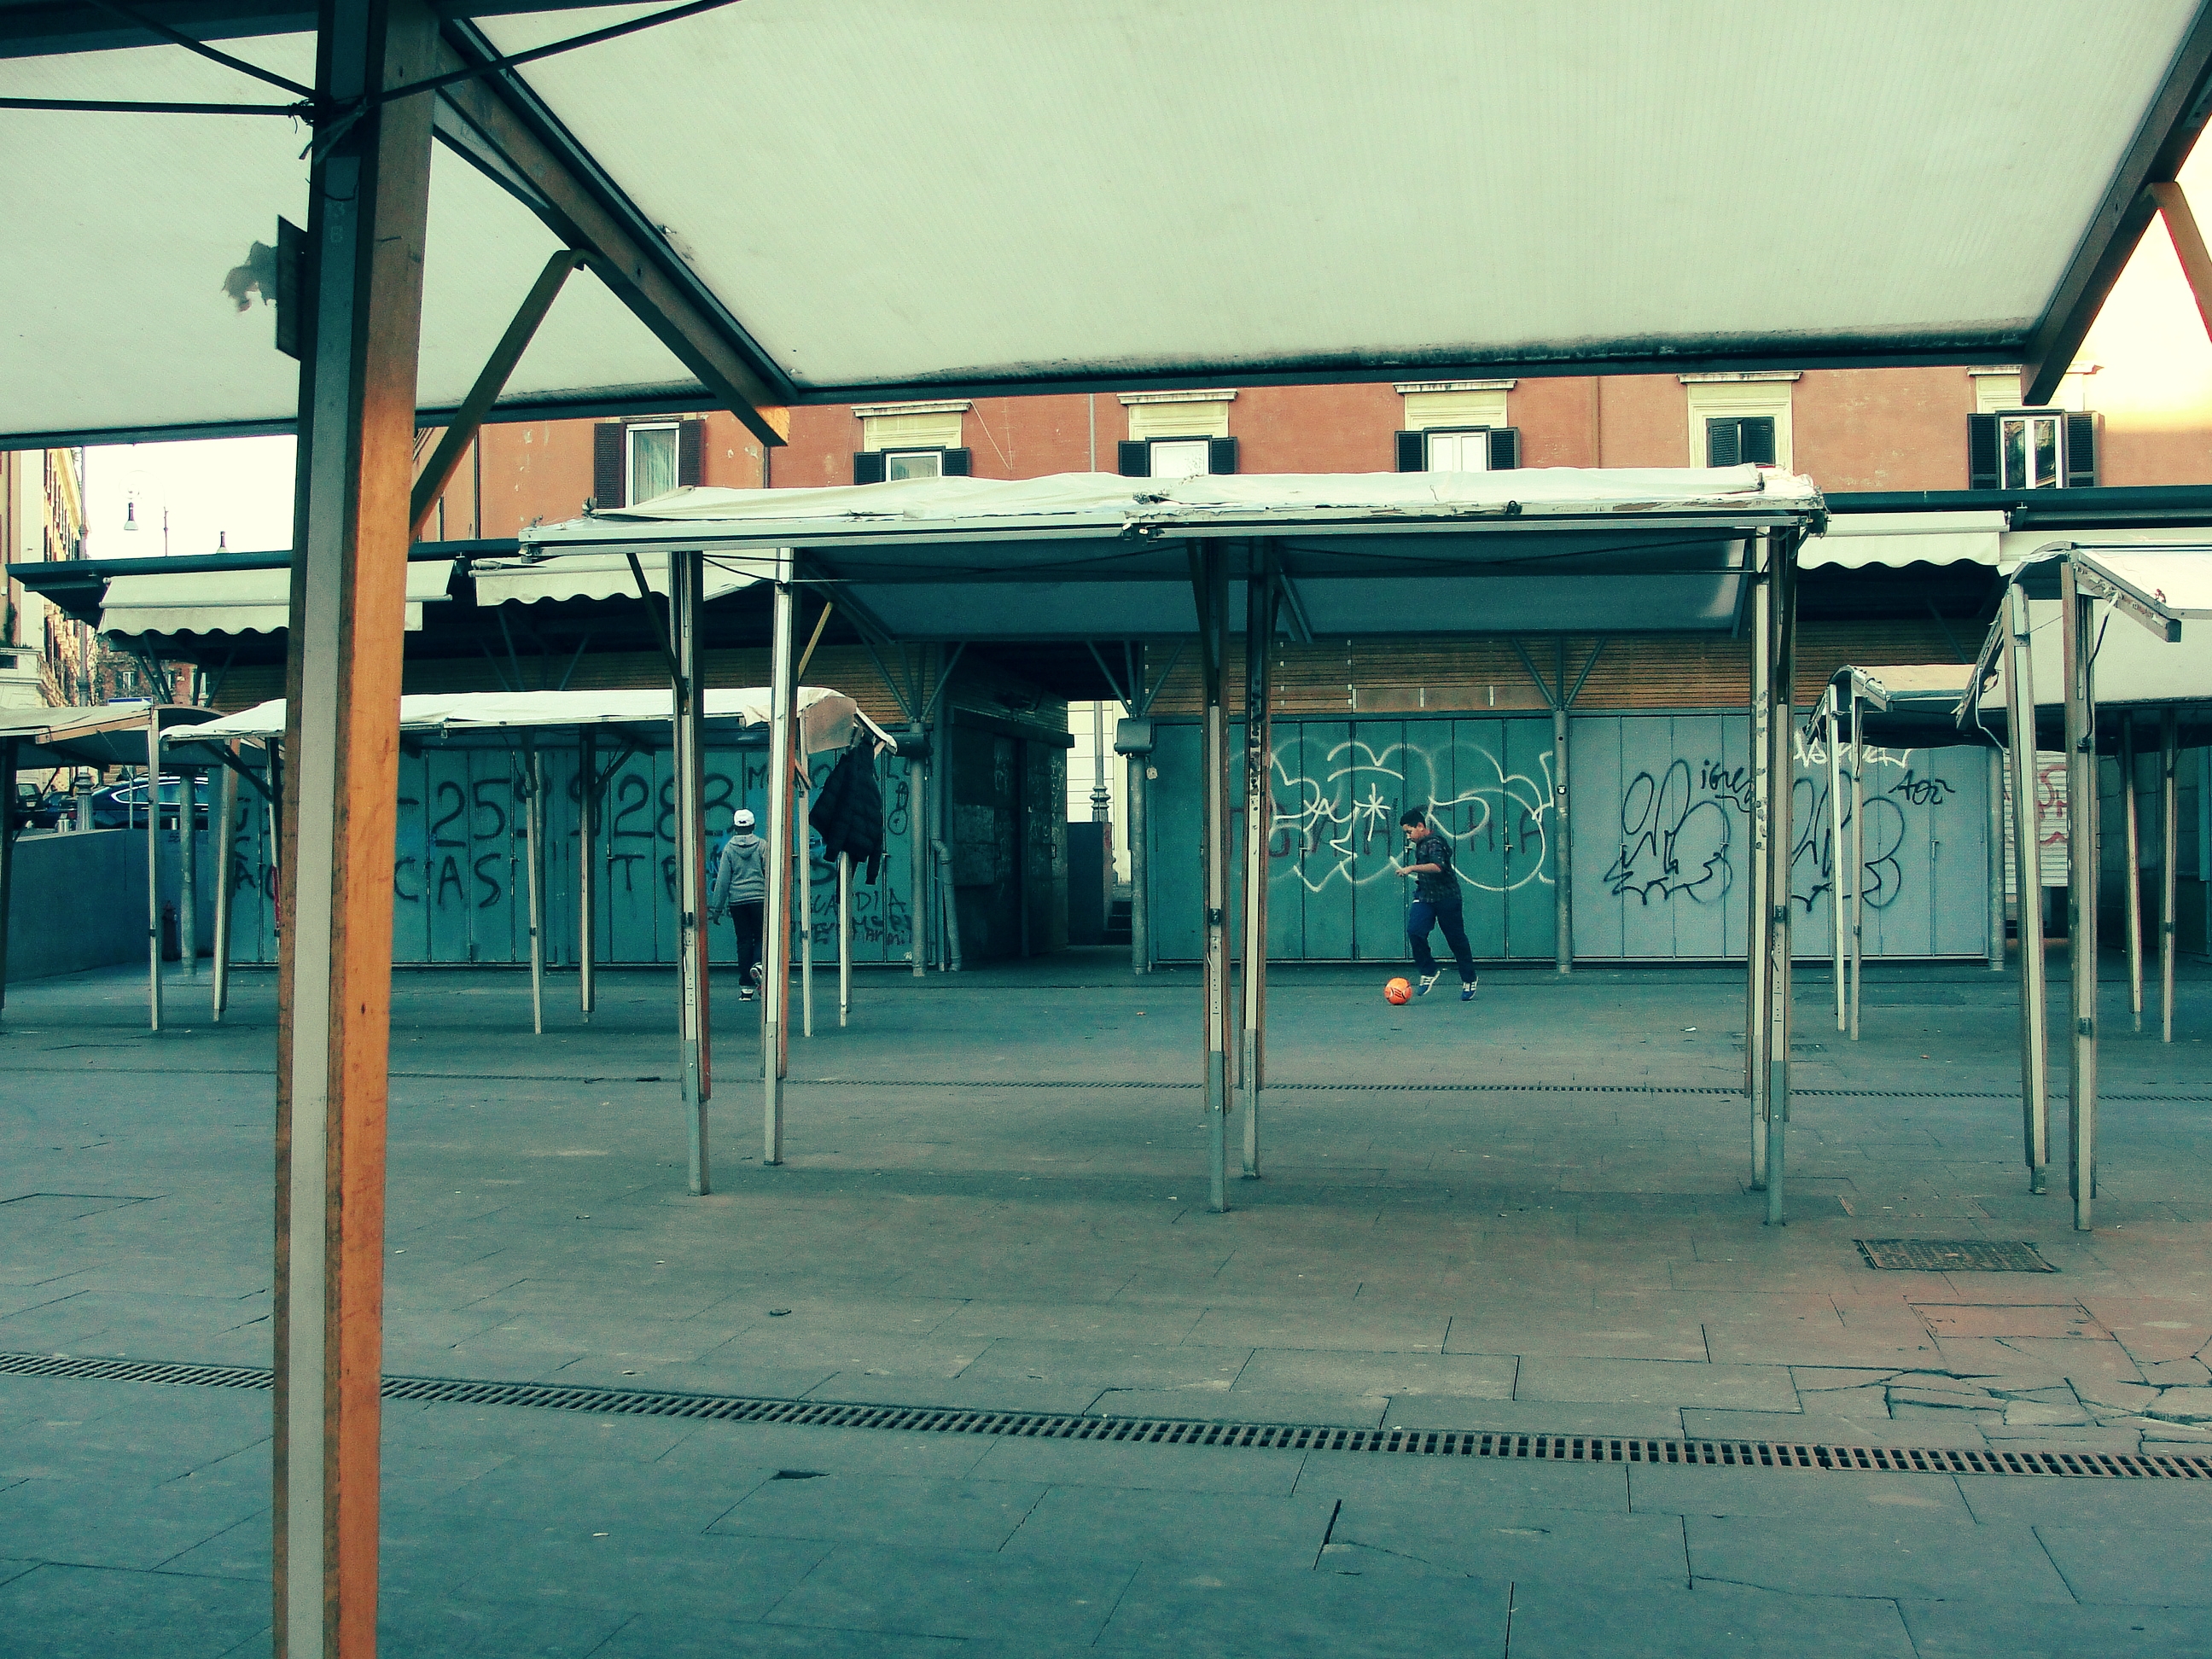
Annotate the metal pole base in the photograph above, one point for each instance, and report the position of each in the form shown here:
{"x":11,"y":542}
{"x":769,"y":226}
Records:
{"x":1777,"y":1133}
{"x":2038,"y":1179}
{"x":1217,"y":1131}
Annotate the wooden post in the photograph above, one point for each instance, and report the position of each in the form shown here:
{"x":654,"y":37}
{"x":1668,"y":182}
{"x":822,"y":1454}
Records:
{"x":361,"y":304}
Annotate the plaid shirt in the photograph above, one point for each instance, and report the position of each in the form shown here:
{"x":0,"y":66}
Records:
{"x":1441,"y":887}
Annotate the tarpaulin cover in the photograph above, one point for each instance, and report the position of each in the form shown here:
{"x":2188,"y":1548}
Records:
{"x":235,"y":601}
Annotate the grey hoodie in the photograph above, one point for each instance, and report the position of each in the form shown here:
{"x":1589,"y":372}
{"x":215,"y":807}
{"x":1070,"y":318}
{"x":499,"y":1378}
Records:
{"x":740,"y":874}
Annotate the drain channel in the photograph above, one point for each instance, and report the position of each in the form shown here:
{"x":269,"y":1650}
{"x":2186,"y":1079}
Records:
{"x":1179,"y":1431}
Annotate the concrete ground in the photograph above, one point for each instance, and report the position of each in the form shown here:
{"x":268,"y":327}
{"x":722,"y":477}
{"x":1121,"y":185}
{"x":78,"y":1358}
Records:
{"x":1525,"y":1214}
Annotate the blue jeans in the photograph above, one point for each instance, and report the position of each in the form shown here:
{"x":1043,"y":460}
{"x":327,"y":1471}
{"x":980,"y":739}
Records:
{"x":1444,"y":912}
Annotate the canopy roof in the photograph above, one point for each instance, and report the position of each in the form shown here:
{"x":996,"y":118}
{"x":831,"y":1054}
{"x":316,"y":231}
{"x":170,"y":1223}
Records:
{"x":113,"y":734}
{"x":1906,"y":706}
{"x":828,"y":720}
{"x":1093,"y":555}
{"x":235,"y":601}
{"x":827,"y":204}
{"x":2151,"y":645}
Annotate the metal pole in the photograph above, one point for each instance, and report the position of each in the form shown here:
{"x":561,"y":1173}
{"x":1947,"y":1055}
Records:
{"x":1832,"y":731}
{"x":1782,"y":677}
{"x":1996,"y":788}
{"x":844,"y":940}
{"x":1140,"y":942}
{"x":917,"y":830}
{"x":533,"y":829}
{"x":802,"y":858}
{"x":1563,"y":904}
{"x":2027,"y":892}
{"x":82,"y":782}
{"x":587,"y":873}
{"x":2169,"y":862}
{"x":2078,"y":614}
{"x":154,"y":866}
{"x":1756,"y":960}
{"x":686,"y":574}
{"x":776,"y":975}
{"x":225,"y":831}
{"x":188,"y":873}
{"x":2132,"y":910}
{"x":1858,"y":855}
{"x":360,"y":293}
{"x":7,"y":756}
{"x":948,"y":895}
{"x":1209,"y":578}
{"x":1260,"y":596}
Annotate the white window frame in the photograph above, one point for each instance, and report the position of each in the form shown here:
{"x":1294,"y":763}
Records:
{"x":1457,"y":438}
{"x":2058,"y":418}
{"x":935,"y":457}
{"x":630,"y":455}
{"x":1201,"y":449}
{"x":1729,"y":397}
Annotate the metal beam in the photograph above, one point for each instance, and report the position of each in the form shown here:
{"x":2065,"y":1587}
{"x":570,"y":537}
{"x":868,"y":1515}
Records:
{"x":2162,"y":141}
{"x":2188,"y":244}
{"x":444,"y":460}
{"x":368,"y":201}
{"x":639,"y":275}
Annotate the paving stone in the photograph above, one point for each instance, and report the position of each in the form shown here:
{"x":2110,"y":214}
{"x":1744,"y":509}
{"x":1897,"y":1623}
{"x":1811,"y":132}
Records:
{"x":1971,"y":1628}
{"x":1086,"y":1524}
{"x":1567,"y":1620}
{"x":1892,"y":1556}
{"x":78,"y":1612}
{"x":1640,"y":1382}
{"x":1130,"y":1464}
{"x":959,"y":1593}
{"x":1308,"y":1614}
{"x":1475,"y":1376}
{"x":2183,"y":1404}
{"x":948,"y":1515}
{"x":2164,"y":1565}
{"x":1453,"y":1536}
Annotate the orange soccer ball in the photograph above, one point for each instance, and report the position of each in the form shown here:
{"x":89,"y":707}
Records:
{"x":1398,"y":990}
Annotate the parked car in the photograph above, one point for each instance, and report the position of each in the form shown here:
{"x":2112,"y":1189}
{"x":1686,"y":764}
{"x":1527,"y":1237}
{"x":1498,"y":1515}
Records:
{"x":38,"y":808}
{"x":123,"y":806}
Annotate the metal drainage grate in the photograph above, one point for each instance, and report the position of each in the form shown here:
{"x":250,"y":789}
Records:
{"x":1178,"y":1431}
{"x":1952,"y":1255}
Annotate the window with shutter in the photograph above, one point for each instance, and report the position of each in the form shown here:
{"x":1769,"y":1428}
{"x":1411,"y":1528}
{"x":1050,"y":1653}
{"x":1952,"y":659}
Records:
{"x":1182,"y":458}
{"x":1221,"y":455}
{"x":607,"y":465}
{"x":652,"y":469}
{"x":959,"y":463}
{"x":1467,"y":451}
{"x":1504,"y":448}
{"x":690,"y":441}
{"x":2080,"y":451}
{"x":2030,"y":442}
{"x":1982,"y":470}
{"x":913,"y":464}
{"x":1724,"y":443}
{"x":1133,"y":458}
{"x":1733,"y":440}
{"x":1412,"y":450}
{"x":868,"y":466}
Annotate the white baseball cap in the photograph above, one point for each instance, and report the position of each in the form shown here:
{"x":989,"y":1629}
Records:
{"x":744,"y":820}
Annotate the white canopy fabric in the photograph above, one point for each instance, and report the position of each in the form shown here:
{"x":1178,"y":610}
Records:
{"x":926,"y":190}
{"x":236,"y":601}
{"x":828,"y":719}
{"x":2134,"y":666}
{"x":112,"y":735}
{"x":583,"y":576}
{"x":1091,"y":556}
{"x":1861,"y":541}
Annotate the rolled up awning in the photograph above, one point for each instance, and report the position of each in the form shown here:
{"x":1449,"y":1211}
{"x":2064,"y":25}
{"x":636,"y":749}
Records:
{"x":587,"y":576}
{"x":1893,"y":540}
{"x":235,"y":601}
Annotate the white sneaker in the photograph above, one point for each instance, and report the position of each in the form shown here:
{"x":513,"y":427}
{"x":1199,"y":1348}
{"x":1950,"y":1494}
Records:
{"x":1428,"y":981}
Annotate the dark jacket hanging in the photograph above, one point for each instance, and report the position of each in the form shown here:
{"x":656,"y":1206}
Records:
{"x":849,"y":813}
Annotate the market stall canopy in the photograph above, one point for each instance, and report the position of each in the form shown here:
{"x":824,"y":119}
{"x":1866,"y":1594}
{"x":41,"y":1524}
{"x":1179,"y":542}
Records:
{"x":1912,"y":705}
{"x":526,"y":581}
{"x":837,"y":203}
{"x":1894,"y":540}
{"x":828,"y":720}
{"x":2151,"y":642}
{"x":235,"y":601}
{"x":113,"y":734}
{"x":1091,"y":555}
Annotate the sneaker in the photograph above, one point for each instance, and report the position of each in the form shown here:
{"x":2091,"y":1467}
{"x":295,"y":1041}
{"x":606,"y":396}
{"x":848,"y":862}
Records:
{"x":1467,"y":992}
{"x":754,"y":973}
{"x":1428,"y":981}
{"x":745,"y":993}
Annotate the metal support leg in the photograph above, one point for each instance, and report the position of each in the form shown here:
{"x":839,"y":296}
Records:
{"x":775,"y":933}
{"x":2027,"y":890}
{"x":1209,"y":578}
{"x":1831,"y":733}
{"x":587,"y":873}
{"x":1259,"y":829}
{"x":1756,"y":959}
{"x":154,"y":866}
{"x":226,"y":831}
{"x":686,"y":574}
{"x":533,"y":831}
{"x":2169,"y":862}
{"x":8,"y":752}
{"x":2131,"y":909}
{"x":2078,"y":620}
{"x":1563,"y":902}
{"x":1858,"y":858}
{"x":844,"y":940}
{"x":360,"y":301}
{"x":917,"y":827}
{"x":1140,"y":942}
{"x":802,"y":859}
{"x":188,"y":874}
{"x":1996,"y":832}
{"x":1782,"y":675}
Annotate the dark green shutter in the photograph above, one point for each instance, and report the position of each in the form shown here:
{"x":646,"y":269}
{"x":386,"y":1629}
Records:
{"x":1412,"y":450}
{"x":868,"y":466}
{"x":1221,"y":455}
{"x":2080,"y":451}
{"x":1504,"y":448}
{"x":1724,"y":443}
{"x":1983,"y":470}
{"x":1756,"y":439}
{"x":959,"y":463}
{"x":689,"y":443}
{"x":1134,"y":458}
{"x":607,"y":466}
